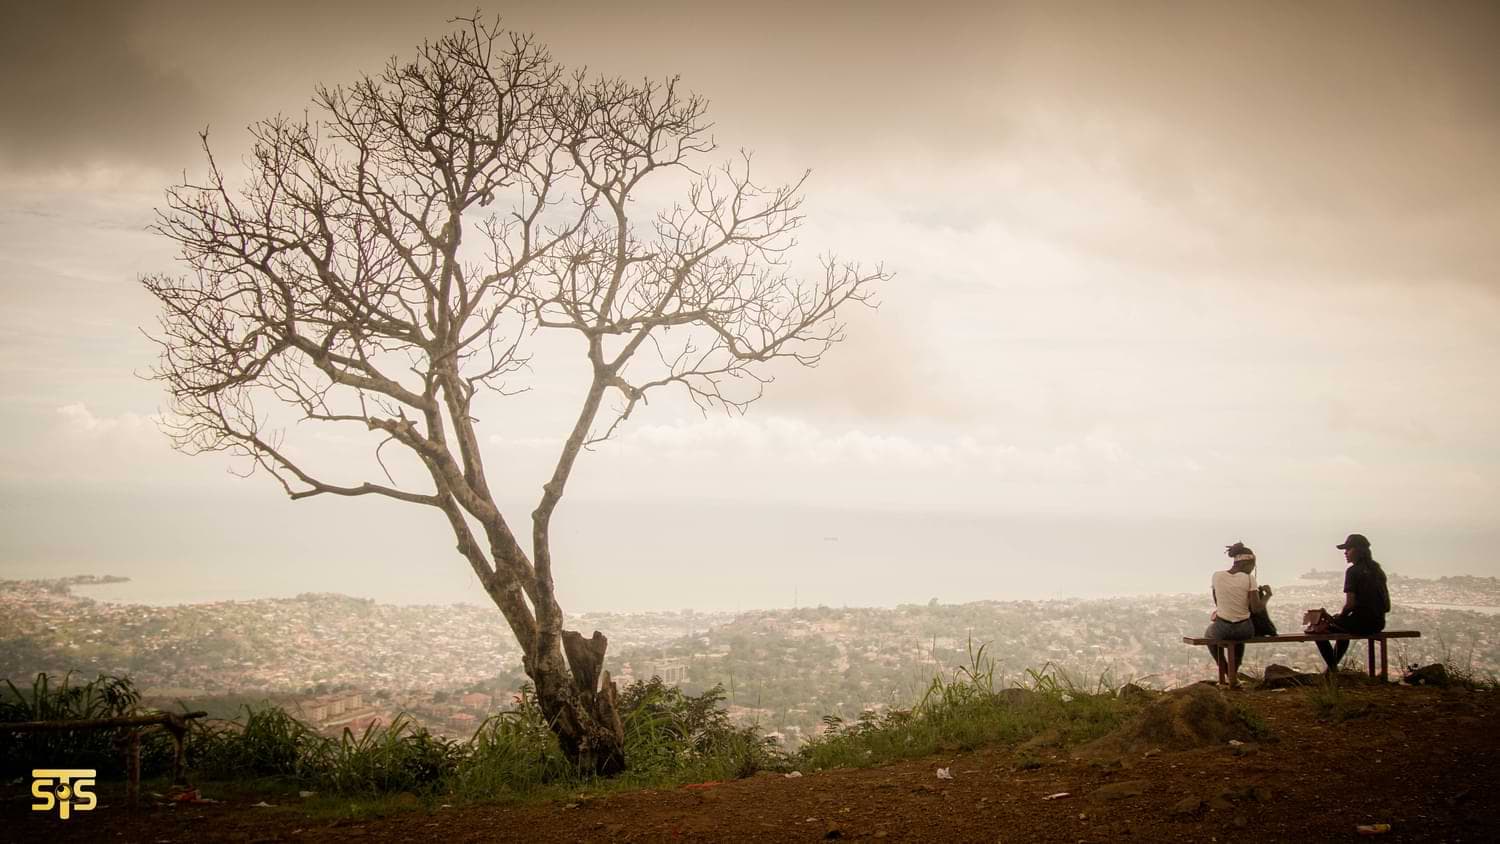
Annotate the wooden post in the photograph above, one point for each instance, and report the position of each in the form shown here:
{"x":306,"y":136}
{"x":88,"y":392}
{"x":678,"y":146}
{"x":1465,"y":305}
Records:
{"x":1384,"y":675}
{"x":133,"y":767}
{"x":1370,"y":660}
{"x":178,"y":775}
{"x":1234,"y":665}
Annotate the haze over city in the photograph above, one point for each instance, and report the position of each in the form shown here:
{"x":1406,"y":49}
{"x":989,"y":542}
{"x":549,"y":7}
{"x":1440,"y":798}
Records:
{"x":1164,"y":278}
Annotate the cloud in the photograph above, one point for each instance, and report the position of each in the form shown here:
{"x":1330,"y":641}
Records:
{"x":743,"y":442}
{"x":79,"y":421}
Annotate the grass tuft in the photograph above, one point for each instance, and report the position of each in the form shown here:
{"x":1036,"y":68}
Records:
{"x":966,"y":710}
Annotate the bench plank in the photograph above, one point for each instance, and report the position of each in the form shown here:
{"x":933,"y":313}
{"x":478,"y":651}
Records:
{"x":1306,"y":637}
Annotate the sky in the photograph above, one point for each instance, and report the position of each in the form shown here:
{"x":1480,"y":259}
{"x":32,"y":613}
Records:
{"x":1166,"y":276}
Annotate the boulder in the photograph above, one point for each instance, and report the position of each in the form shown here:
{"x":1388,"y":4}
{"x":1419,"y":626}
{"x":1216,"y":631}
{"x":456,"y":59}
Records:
{"x":1282,"y":677}
{"x":1435,"y":674}
{"x":1048,"y":738}
{"x":1187,"y":806}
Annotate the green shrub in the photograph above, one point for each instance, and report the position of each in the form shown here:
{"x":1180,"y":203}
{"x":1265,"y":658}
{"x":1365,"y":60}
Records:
{"x":395,"y":757}
{"x":269,"y":743}
{"x":675,"y":736}
{"x":102,"y":750}
{"x":511,"y":753}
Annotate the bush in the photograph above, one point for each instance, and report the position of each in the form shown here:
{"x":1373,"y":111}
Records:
{"x":102,"y":697}
{"x":401,"y":756}
{"x":268,"y":743}
{"x":673,"y":735}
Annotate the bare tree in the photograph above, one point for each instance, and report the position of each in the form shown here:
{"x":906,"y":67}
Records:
{"x":357,"y":278}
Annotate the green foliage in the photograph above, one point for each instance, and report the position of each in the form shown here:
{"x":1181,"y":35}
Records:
{"x":51,"y":700}
{"x":671,"y":737}
{"x":400,"y":756}
{"x":268,"y":743}
{"x":103,"y":697}
{"x":965,"y":711}
{"x":1259,"y":729}
{"x":1327,"y":699}
{"x":674,"y":735}
{"x":512,"y":753}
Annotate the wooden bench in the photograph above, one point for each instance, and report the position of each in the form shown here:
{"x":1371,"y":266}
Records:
{"x":1234,"y":668}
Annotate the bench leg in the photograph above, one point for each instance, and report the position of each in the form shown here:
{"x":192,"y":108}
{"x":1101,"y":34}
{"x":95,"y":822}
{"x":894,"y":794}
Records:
{"x":1234,"y":668}
{"x":1384,"y":676}
{"x":1370,"y":660}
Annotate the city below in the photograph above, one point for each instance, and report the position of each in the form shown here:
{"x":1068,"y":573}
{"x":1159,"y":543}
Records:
{"x":345,"y":663}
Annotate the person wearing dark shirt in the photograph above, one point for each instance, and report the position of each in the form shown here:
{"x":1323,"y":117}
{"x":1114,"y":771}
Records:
{"x":1366,"y":599}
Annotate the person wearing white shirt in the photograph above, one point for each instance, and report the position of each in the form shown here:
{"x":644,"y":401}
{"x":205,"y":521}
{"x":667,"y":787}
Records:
{"x":1235,"y":595}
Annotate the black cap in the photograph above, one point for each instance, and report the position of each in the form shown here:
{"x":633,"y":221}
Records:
{"x":1355,"y":540}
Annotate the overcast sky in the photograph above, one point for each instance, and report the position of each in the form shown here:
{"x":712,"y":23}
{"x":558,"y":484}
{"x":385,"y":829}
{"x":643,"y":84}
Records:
{"x":1168,"y":276}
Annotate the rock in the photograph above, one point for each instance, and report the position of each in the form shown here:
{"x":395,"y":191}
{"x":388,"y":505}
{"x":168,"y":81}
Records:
{"x":1187,"y":806}
{"x":1240,"y":821}
{"x":1121,"y":790}
{"x":1050,"y":737}
{"x":1435,"y":674}
{"x":1218,"y":803}
{"x":1131,"y":691}
{"x":1282,"y":677}
{"x":1247,"y":749}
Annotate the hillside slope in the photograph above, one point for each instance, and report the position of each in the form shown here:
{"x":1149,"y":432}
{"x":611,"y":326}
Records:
{"x":1422,"y":760}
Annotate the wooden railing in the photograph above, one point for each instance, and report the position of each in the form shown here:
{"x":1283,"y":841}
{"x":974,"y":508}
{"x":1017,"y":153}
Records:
{"x":174,"y":723}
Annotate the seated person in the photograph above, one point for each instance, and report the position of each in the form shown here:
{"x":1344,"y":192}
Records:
{"x":1235,"y":595}
{"x":1366,"y":599}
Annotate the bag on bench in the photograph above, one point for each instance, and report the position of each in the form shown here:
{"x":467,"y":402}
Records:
{"x":1261,"y":618}
{"x":1316,"y":621}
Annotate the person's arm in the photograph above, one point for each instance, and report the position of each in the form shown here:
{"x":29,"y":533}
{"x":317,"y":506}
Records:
{"x":1257,"y":604}
{"x":1349,"y":603}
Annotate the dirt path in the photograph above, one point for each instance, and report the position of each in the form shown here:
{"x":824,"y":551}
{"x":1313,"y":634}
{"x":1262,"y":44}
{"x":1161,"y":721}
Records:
{"x":1421,"y":760}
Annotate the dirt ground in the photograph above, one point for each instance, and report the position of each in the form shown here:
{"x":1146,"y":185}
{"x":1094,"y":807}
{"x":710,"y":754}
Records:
{"x":1424,"y":761}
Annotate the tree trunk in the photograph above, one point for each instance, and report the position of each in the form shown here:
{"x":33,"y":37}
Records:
{"x":580,"y":704}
